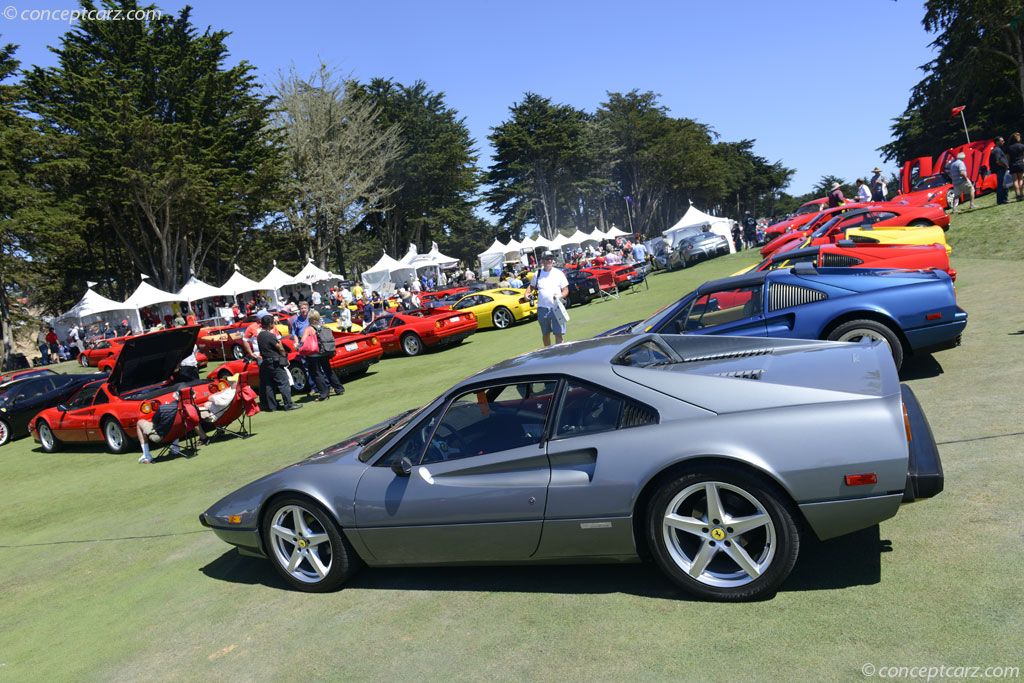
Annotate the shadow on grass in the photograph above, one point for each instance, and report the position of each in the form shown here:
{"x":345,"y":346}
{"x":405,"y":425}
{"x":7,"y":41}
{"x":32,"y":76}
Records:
{"x":853,"y":560}
{"x":920,"y":366}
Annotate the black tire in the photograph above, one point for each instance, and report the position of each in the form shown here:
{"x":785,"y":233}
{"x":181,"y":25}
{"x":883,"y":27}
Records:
{"x":223,"y":374}
{"x":412,"y":345}
{"x":114,"y":436}
{"x":300,"y":379}
{"x":858,"y":330}
{"x":325,"y":559}
{"x":920,"y":223}
{"x":237,"y":352}
{"x":46,"y":438}
{"x":502,"y":318}
{"x":5,"y":432}
{"x":770,"y":547}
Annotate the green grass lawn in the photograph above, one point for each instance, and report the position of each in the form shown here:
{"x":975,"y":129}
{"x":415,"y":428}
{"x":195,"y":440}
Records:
{"x":106,"y":574}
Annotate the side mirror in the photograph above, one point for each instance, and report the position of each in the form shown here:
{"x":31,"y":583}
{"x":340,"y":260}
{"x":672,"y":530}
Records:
{"x":62,"y":408}
{"x":402,"y":467}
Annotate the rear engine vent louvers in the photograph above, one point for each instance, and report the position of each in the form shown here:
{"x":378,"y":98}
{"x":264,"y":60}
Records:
{"x":634,"y":416}
{"x":786,"y":296}
{"x":735,"y":354}
{"x":742,"y":374}
{"x":839,"y":260}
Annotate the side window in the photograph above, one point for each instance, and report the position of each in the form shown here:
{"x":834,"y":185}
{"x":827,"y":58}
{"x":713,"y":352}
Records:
{"x":491,"y":420}
{"x":720,"y":308}
{"x":642,"y":355}
{"x":83,"y":399}
{"x":101,"y":398}
{"x":411,"y":445}
{"x":878,"y":216}
{"x":585,"y":410}
{"x":464,"y":302}
{"x":396,"y":322}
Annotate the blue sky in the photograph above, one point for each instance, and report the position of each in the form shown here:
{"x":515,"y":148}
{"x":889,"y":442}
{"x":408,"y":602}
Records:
{"x":816,"y":84}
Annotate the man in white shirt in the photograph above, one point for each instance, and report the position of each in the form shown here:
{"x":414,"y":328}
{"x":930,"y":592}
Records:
{"x":346,"y":295}
{"x":551,"y":286}
{"x":315,"y":296}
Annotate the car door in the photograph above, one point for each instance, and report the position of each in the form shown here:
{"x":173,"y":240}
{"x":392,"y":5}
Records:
{"x":379,"y":329}
{"x":730,"y":310}
{"x":72,"y":425}
{"x":34,"y":396}
{"x":478,"y":486}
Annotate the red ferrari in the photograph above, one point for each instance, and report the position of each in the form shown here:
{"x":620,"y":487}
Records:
{"x":806,"y":212}
{"x":100,"y":349}
{"x":861,"y":216}
{"x":923,"y":180}
{"x":847,"y":254}
{"x":107,"y":410}
{"x":354,"y":353}
{"x":413,"y":331}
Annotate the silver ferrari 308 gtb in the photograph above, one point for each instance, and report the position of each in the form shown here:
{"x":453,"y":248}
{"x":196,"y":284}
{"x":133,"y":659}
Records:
{"x":710,"y":454}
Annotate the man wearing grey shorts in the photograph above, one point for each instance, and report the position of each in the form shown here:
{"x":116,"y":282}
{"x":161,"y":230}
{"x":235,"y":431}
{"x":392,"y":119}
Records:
{"x":551,"y":286}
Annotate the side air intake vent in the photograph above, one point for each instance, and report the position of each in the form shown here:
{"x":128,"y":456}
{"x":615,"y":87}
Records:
{"x":634,"y":416}
{"x":839,"y":260}
{"x":781,"y":296}
{"x":735,"y":354}
{"x":742,"y":374}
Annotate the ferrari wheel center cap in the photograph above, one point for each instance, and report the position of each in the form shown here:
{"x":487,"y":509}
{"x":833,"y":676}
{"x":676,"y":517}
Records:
{"x":302,"y":543}
{"x":718,"y":533}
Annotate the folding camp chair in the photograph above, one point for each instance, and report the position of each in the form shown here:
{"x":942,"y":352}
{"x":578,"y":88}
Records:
{"x":638,"y":278}
{"x":236,"y":419}
{"x":183,"y":430}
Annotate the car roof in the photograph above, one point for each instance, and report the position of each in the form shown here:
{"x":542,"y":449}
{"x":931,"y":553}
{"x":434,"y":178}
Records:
{"x":562,"y":358}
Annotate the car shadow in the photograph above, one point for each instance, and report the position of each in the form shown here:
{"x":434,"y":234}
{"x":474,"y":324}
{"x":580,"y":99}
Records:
{"x":920,"y":366}
{"x":852,"y":560}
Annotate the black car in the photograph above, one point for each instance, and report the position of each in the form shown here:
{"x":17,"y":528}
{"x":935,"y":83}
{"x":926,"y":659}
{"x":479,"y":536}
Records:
{"x":22,"y":399}
{"x":583,"y":288}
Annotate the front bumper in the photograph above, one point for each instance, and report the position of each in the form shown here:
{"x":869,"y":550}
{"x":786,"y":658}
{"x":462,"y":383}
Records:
{"x":246,"y":540}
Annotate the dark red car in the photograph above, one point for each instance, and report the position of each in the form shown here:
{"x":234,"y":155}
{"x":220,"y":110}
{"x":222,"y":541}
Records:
{"x":806,"y":212}
{"x":413,"y":331}
{"x":107,"y":410}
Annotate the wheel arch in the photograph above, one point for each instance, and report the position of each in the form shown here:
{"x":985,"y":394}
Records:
{"x":651,"y":487}
{"x":318,"y":498}
{"x":876,"y":316}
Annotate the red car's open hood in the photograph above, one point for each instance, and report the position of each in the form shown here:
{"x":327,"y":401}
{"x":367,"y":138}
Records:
{"x":150,"y":359}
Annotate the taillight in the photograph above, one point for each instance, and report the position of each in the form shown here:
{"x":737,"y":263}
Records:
{"x":437,"y":324}
{"x":373,"y":341}
{"x":861,"y":479}
{"x":222,"y":385}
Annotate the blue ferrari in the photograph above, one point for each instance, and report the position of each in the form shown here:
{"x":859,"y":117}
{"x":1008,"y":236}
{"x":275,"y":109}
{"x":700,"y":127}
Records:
{"x":911,"y":311}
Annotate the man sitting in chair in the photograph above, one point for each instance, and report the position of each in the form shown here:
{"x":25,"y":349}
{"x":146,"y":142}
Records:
{"x":157,"y":430}
{"x":219,"y":402}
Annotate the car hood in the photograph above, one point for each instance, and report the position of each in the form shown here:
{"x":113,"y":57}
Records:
{"x":151,"y":358}
{"x":736,"y":374}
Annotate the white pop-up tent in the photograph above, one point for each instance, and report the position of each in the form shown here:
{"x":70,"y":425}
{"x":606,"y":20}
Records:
{"x":93,"y":307}
{"x":311,"y":273}
{"x":195,"y":290}
{"x":493,"y":258}
{"x":615,"y":232}
{"x":695,"y":218}
{"x":240,"y":284}
{"x":582,"y":238}
{"x":273,"y":282}
{"x":405,"y":271}
{"x":156,"y":300}
{"x":378,"y":277}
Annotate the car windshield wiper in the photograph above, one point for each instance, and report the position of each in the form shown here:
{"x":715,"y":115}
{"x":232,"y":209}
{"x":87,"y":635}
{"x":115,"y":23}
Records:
{"x":362,"y":441}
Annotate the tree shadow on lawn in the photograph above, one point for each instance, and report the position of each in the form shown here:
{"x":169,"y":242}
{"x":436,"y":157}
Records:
{"x":920,"y":366}
{"x":851,"y":560}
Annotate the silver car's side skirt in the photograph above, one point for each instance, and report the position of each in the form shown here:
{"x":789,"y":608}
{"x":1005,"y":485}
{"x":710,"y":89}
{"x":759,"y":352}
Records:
{"x":837,"y":517}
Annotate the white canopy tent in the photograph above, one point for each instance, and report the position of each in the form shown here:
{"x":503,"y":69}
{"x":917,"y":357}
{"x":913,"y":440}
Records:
{"x":582,"y":238}
{"x":615,"y":232}
{"x":161,"y":304}
{"x":93,"y":307}
{"x":378,"y":277}
{"x":543,"y":243}
{"x":695,"y":218}
{"x":239,"y":284}
{"x":528,"y":244}
{"x":272,"y":282}
{"x":405,"y":271}
{"x":440,"y":259}
{"x":311,"y":273}
{"x":195,"y":290}
{"x":512,"y":251}
{"x":493,"y":258}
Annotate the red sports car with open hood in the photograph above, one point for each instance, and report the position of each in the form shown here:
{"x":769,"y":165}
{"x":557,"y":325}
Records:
{"x":107,"y":410}
{"x":412,"y":331}
{"x":806,"y":212}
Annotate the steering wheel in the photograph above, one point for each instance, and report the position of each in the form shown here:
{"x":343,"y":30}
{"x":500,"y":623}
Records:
{"x":441,"y":446}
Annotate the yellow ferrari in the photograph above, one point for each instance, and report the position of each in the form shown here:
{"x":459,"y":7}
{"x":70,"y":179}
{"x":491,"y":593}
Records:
{"x":498,"y":308}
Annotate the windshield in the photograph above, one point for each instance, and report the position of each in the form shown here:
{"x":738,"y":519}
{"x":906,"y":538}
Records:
{"x":931,"y":182}
{"x":374,"y":440}
{"x":820,"y":232}
{"x":809,"y":208}
{"x":656,"y":320}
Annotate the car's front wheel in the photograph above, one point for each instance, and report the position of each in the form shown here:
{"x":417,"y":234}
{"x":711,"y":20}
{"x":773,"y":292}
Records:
{"x":237,"y":352}
{"x":502,"y":318}
{"x":46,"y":438}
{"x":306,"y":546}
{"x":300,"y":380}
{"x":723,"y":534}
{"x":869,"y":331}
{"x":113,"y":434}
{"x":411,"y":344}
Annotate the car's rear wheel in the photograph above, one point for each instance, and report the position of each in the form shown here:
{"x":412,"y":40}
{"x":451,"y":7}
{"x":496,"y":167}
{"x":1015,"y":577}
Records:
{"x":502,"y":318}
{"x":306,"y":546}
{"x":869,"y":331}
{"x":300,"y":380}
{"x":723,"y":534}
{"x":46,"y":438}
{"x":411,"y":344}
{"x":920,"y":223}
{"x":113,"y":434}
{"x":83,"y":360}
{"x":5,"y":432}
{"x":950,"y":196}
{"x":237,"y":352}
